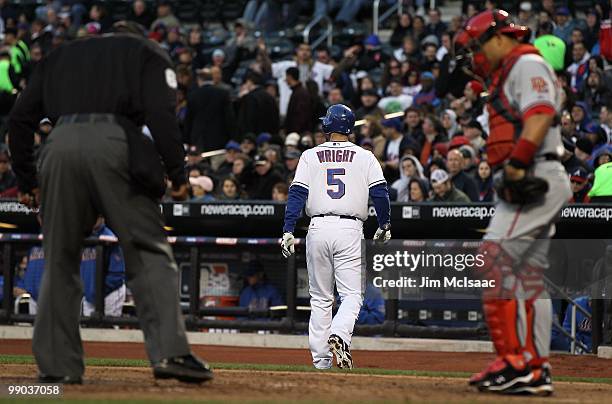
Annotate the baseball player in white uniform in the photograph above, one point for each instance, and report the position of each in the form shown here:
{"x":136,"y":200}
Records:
{"x":334,"y":181}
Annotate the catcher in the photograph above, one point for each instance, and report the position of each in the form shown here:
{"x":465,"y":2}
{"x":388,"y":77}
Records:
{"x":524,"y":145}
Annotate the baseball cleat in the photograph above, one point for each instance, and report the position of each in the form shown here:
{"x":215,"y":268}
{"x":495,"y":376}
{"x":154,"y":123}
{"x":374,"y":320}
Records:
{"x":482,"y":375}
{"x":541,"y":385}
{"x":505,"y":375}
{"x":187,"y":369}
{"x":342,"y":352}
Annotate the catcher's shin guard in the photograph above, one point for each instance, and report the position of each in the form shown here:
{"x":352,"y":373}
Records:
{"x":538,"y":317}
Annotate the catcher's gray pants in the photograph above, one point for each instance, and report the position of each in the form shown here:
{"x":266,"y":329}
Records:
{"x":333,"y":256}
{"x":524,"y":233}
{"x":83,"y":172}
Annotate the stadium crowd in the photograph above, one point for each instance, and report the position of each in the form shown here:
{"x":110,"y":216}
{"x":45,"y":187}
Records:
{"x":252,"y":92}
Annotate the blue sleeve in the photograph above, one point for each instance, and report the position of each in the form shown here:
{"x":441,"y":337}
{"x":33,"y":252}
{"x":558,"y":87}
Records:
{"x":380,"y":197}
{"x":245,"y":297}
{"x":274,"y":296}
{"x":295,"y":203}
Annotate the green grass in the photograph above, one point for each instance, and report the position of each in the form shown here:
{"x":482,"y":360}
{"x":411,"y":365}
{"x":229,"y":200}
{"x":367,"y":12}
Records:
{"x":27,"y":359}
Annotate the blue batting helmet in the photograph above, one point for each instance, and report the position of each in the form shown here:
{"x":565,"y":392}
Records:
{"x":339,"y":119}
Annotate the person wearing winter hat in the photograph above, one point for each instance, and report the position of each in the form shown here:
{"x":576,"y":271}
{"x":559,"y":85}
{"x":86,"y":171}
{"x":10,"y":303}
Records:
{"x":201,"y":188}
{"x":410,"y":167}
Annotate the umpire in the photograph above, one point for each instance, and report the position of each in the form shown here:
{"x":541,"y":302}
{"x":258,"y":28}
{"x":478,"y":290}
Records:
{"x":99,"y":92}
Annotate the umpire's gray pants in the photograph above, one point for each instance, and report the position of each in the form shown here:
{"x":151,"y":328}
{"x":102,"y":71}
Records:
{"x":83,"y":173}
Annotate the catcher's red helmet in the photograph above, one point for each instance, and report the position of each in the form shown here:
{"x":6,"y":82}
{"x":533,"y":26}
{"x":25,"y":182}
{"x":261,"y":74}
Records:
{"x":478,"y":30}
{"x":484,"y":25}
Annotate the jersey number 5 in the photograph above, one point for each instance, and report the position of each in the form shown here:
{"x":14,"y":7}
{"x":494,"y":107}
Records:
{"x":332,"y":182}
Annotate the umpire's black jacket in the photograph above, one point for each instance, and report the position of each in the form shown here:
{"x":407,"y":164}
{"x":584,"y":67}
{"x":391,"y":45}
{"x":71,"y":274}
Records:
{"x":119,"y":74}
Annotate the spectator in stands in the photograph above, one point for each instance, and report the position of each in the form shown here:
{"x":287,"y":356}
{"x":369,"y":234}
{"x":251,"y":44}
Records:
{"x":601,"y":192}
{"x":565,"y":24}
{"x":165,"y":16}
{"x":475,"y":134}
{"x":584,"y":149}
{"x":299,"y":110}
{"x":259,"y":183}
{"x":484,"y":180}
{"x":335,"y":97}
{"x":470,"y":160}
{"x":445,"y":46}
{"x":371,"y":56}
{"x":581,"y":116}
{"x":201,"y":188}
{"x":435,"y":26}
{"x":373,"y":130}
{"x":444,"y":190}
{"x":280,"y":192}
{"x":114,"y":280}
{"x":232,"y":150}
{"x":403,"y":29}
{"x":373,"y":309}
{"x":418,"y":28}
{"x":605,"y":119}
{"x":140,"y":14}
{"x":408,"y":52}
{"x":19,"y":276}
{"x":8,"y":180}
{"x":258,"y":294}
{"x":292,"y":157}
{"x":307,"y":69}
{"x":460,"y":179}
{"x":449,"y":122}
{"x":584,"y":328}
{"x":433,"y":133}
{"x":578,"y":69}
{"x":395,"y":95}
{"x":419,"y":190}
{"x":470,"y":103}
{"x":209,"y":122}
{"x":391,"y":157}
{"x":580,"y":186}
{"x":98,"y":13}
{"x":526,"y":16}
{"x":576,"y":37}
{"x":414,"y":124}
{"x":248,"y":146}
{"x":428,"y":57}
{"x":597,"y":92}
{"x":241,"y":163}
{"x":257,"y":110}
{"x":410,"y":168}
{"x":230,"y":190}
{"x":369,"y":105}
{"x":413,"y":86}
{"x":427,"y":95}
{"x":591,"y":31}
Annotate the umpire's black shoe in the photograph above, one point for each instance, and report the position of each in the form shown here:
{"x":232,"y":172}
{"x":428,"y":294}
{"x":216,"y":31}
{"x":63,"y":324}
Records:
{"x":188,"y":369}
{"x":43,"y":378}
{"x":513,"y":372}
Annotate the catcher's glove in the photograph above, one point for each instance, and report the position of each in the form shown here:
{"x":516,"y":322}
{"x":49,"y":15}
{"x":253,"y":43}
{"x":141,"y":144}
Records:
{"x":528,"y":189}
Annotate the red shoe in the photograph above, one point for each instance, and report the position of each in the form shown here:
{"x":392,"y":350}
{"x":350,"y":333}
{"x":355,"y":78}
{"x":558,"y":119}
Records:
{"x":497,"y":364}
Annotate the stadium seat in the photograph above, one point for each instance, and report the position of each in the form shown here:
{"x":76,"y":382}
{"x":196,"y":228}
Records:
{"x":350,"y":34}
{"x":209,"y":10}
{"x":214,"y":38}
{"x":119,"y":9}
{"x":279,"y":47}
{"x":232,"y":9}
{"x":188,"y":11}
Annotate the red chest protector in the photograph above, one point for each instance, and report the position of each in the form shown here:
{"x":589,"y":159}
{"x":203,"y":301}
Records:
{"x":505,"y":121}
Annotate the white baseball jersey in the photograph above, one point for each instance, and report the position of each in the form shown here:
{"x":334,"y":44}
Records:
{"x":532,"y":87}
{"x":338,"y":176}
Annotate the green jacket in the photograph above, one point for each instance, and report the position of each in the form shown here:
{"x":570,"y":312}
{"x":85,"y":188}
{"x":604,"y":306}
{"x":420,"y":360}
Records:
{"x":6,"y":84}
{"x":603,"y":181}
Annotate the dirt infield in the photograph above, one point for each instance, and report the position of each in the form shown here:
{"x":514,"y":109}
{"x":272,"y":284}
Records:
{"x":137,"y":383}
{"x":563,"y":365}
{"x":264,"y":386}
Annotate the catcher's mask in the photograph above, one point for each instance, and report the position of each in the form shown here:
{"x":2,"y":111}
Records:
{"x":476,"y":32}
